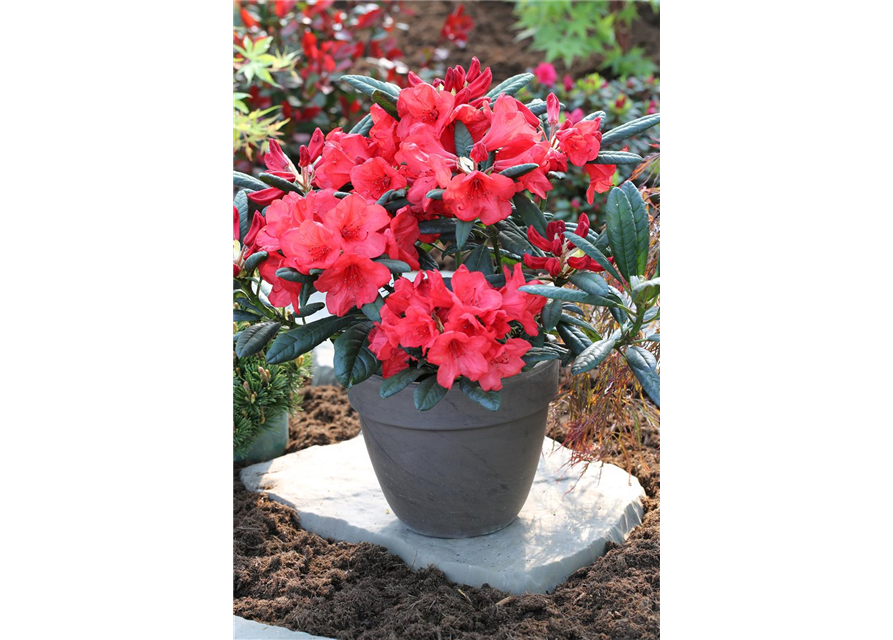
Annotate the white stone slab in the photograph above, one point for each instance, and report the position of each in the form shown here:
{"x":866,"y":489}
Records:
{"x":250,"y":630}
{"x":561,"y":528}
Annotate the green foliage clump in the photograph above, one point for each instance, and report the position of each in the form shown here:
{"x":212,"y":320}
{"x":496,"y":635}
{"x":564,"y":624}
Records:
{"x":262,"y":390}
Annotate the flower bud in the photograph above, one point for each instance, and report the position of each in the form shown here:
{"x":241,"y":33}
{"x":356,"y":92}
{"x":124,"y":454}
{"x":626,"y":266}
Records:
{"x":479,"y":152}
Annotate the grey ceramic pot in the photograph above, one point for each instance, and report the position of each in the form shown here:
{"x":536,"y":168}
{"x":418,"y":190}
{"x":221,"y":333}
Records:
{"x":458,"y":470}
{"x":270,"y":443}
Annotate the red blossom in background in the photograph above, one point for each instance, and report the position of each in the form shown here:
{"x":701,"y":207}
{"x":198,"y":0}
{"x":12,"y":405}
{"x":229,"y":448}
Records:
{"x":545,"y":74}
{"x":457,"y":26}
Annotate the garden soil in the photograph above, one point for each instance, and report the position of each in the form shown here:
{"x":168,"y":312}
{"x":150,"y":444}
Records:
{"x":286,"y":576}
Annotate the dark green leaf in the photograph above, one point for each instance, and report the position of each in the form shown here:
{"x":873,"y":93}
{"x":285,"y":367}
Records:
{"x":463,"y":229}
{"x":399,"y":381}
{"x":617,"y":157}
{"x":653,"y":338}
{"x":293,"y":275}
{"x":644,"y":371}
{"x":435,"y":194}
{"x":591,"y":331}
{"x":519,"y":170}
{"x":510,"y":86}
{"x":630,"y":129}
{"x":244,"y":316}
{"x":253,"y":260}
{"x":463,"y":139}
{"x":479,"y":260}
{"x":279,"y":183}
{"x":395,"y":205}
{"x":299,"y":341}
{"x":574,"y":338}
{"x":391,"y":194}
{"x":368,"y":86}
{"x":595,"y":286}
{"x":568,"y":306}
{"x":255,"y":338}
{"x":353,"y":361}
{"x":487,"y":399}
{"x":597,"y":114}
{"x":557,"y":293}
{"x":551,"y":314}
{"x":428,"y":394}
{"x":443,"y":225}
{"x":589,"y":249}
{"x":556,"y":175}
{"x":372,"y":310}
{"x":244,"y":181}
{"x":363,"y":126}
{"x":386,"y":101}
{"x":426,"y":262}
{"x":539,"y":354}
{"x":530,"y":213}
{"x":394,"y":266}
{"x":310,"y":309}
{"x":622,"y":235}
{"x":640,"y":217}
{"x":594,"y":354}
{"x":307,"y":290}
{"x":240,"y":202}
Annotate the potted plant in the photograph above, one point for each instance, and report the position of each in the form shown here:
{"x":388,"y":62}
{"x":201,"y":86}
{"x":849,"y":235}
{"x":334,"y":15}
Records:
{"x":264,"y":396}
{"x":451,"y":375}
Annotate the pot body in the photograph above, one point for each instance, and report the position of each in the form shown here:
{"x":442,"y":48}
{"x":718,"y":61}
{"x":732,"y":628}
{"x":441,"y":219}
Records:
{"x":458,"y":470}
{"x":270,"y":443}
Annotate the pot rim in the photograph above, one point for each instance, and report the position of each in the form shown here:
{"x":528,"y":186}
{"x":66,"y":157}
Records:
{"x":514,"y":377}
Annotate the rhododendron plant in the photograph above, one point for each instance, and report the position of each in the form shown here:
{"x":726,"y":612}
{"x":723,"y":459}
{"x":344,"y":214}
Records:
{"x":455,"y":170}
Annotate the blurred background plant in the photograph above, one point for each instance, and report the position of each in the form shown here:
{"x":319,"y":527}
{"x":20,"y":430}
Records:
{"x":569,"y":30}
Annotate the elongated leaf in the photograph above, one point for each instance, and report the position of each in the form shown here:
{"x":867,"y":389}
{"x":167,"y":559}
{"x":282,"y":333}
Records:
{"x":539,"y":354}
{"x":244,"y":316}
{"x":630,"y":129}
{"x":293,"y":275}
{"x":307,"y":290}
{"x":395,"y":205}
{"x":595,"y":286}
{"x":517,"y":244}
{"x":487,"y":399}
{"x":463,"y":229}
{"x":574,"y":338}
{"x":386,"y":101}
{"x":253,"y":260}
{"x":443,"y":225}
{"x":435,"y":194}
{"x":645,"y":373}
{"x":511,"y":86}
{"x":391,"y":194}
{"x":255,"y":338}
{"x":594,"y":354}
{"x":353,"y":361}
{"x":372,"y":310}
{"x":551,"y":314}
{"x":597,"y":114}
{"x":617,"y":157}
{"x":621,"y":229}
{"x":399,"y":381}
{"x":569,"y":306}
{"x":299,"y":341}
{"x":310,"y":309}
{"x":589,"y":249}
{"x":463,"y":139}
{"x":428,"y":394}
{"x":367,"y":85}
{"x":394,"y":266}
{"x":645,"y":288}
{"x":585,"y":326}
{"x":364,"y":126}
{"x":530,"y":213}
{"x":279,"y":183}
{"x":556,"y":175}
{"x":557,"y":293}
{"x":640,"y":218}
{"x":653,"y":338}
{"x":519,"y":170}
{"x":426,"y":262}
{"x":244,"y":181}
{"x":240,"y":202}
{"x":480,"y":260}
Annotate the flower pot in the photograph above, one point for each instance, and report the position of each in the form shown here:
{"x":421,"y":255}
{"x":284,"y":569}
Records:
{"x":270,"y":443}
{"x":458,"y":470}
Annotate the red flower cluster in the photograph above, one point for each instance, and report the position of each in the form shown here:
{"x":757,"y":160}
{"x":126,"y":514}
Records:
{"x":462,"y":331}
{"x":565,"y":254}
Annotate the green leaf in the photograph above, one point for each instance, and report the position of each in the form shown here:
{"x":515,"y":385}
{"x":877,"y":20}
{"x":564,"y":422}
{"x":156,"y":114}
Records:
{"x":279,"y":183}
{"x":244,"y":316}
{"x":574,"y":338}
{"x":510,"y":86}
{"x":443,"y":225}
{"x":426,"y":262}
{"x":519,"y":170}
{"x":372,"y":310}
{"x":617,"y":157}
{"x":570,"y":306}
{"x":463,"y":229}
{"x":255,"y":337}
{"x":640,"y":217}
{"x":644,"y":371}
{"x":293,"y":275}
{"x":463,"y":139}
{"x":597,"y":114}
{"x":479,"y":260}
{"x":395,"y":205}
{"x":540,"y":354}
{"x":253,"y":260}
{"x":594,"y":354}
{"x":240,"y":202}
{"x":399,"y":381}
{"x":244,"y":181}
{"x":557,"y":293}
{"x":353,"y":361}
{"x":435,"y":194}
{"x":487,"y":399}
{"x":588,"y":328}
{"x":428,"y":394}
{"x":551,"y":314}
{"x":394,"y":266}
{"x":646,"y":288}
{"x":595,"y":286}
{"x":363,"y":126}
{"x":589,"y":249}
{"x":530,"y":213}
{"x":653,"y":338}
{"x":627,"y":229}
{"x":386,"y":101}
{"x":299,"y":341}
{"x":630,"y":129}
{"x":310,"y":309}
{"x":367,"y":85}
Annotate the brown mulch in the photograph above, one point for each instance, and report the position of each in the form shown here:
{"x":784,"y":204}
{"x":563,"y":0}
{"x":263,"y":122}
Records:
{"x":285,"y":576}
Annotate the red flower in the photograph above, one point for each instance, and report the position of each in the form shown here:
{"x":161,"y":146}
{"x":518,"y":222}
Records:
{"x":474,"y":293}
{"x":457,"y":26}
{"x":545,"y":74}
{"x":374,"y":178}
{"x":356,"y":223}
{"x":477,"y":195}
{"x":600,"y":179}
{"x":519,"y":305}
{"x":581,"y":142}
{"x":426,"y":106}
{"x":513,"y":127}
{"x":505,"y":361}
{"x":416,"y":329}
{"x":284,"y":292}
{"x":352,"y":282}
{"x":312,"y":246}
{"x":457,"y":354}
{"x":401,"y":236}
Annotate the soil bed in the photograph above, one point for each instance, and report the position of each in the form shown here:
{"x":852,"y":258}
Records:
{"x":286,"y":576}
